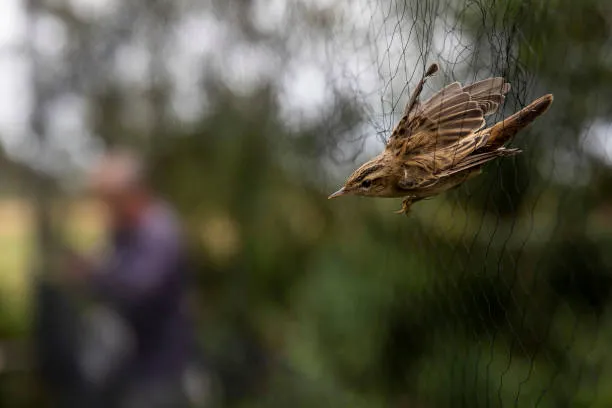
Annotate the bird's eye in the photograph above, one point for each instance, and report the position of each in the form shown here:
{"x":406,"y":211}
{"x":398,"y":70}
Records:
{"x":366,"y":183}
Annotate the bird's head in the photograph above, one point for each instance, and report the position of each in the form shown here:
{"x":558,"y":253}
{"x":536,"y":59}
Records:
{"x":371,"y":179}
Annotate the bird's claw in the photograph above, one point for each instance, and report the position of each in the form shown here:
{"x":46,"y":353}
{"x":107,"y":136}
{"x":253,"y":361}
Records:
{"x":405,"y":207}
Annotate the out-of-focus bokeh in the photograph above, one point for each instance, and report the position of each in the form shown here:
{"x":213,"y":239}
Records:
{"x":251,"y":112}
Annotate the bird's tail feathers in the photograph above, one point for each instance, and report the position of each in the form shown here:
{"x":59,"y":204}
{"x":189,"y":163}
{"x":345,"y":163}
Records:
{"x":503,"y":131}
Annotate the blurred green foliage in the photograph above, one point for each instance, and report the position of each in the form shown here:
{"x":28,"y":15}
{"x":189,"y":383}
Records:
{"x":496,"y":294}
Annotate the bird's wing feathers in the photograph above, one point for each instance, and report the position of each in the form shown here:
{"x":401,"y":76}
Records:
{"x":489,"y":93}
{"x":477,"y":160}
{"x":427,"y":168}
{"x":449,"y":115}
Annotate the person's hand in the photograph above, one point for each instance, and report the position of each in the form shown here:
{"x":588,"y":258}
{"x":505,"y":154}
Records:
{"x":71,"y":269}
{"x":77,"y":268}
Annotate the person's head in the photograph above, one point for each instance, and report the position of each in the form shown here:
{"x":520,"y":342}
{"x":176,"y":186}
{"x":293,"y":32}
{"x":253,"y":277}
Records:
{"x":119,"y":180}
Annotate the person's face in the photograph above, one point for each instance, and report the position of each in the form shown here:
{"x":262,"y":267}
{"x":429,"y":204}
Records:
{"x":112,"y":182}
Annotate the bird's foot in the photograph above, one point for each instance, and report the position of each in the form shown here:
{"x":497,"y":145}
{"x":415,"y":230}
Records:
{"x":405,"y":207}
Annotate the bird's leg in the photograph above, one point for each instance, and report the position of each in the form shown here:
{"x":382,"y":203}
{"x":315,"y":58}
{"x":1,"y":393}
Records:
{"x":405,"y":206}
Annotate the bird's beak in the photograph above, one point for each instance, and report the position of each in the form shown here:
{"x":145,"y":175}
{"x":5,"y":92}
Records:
{"x":338,"y":193}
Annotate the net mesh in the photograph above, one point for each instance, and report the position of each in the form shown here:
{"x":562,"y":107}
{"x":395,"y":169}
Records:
{"x":517,"y":337}
{"x":492,"y":294}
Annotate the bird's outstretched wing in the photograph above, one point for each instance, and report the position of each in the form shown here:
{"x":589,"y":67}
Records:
{"x":449,"y":115}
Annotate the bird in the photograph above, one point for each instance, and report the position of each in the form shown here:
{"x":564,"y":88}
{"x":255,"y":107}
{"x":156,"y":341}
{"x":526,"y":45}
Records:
{"x":441,"y":143}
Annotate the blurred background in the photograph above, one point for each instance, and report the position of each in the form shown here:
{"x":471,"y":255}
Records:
{"x":251,"y":112}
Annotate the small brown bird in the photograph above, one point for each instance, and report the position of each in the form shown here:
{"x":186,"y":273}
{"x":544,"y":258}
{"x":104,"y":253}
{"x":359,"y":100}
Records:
{"x":441,"y":143}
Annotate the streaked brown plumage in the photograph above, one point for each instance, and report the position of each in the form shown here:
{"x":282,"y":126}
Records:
{"x":440,"y":143}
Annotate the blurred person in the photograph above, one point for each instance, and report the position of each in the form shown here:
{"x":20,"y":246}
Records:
{"x":142,"y":279}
